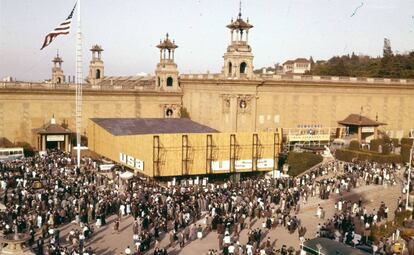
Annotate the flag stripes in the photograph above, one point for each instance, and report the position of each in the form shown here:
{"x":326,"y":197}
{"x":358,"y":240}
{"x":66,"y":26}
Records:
{"x":62,"y":29}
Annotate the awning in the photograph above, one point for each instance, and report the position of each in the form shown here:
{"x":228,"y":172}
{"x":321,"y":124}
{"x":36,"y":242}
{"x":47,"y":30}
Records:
{"x":126,"y":175}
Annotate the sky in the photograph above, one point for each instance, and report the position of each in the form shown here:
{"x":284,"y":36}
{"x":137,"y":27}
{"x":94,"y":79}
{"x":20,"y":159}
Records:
{"x":129,"y":30}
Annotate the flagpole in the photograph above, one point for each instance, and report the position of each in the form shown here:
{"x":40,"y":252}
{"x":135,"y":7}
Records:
{"x":79,"y":80}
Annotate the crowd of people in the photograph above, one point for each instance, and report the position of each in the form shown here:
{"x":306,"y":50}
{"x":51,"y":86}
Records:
{"x":43,"y":192}
{"x":352,"y":221}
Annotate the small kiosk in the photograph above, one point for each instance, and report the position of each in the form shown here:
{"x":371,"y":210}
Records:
{"x":53,"y":136}
{"x":361,"y":126}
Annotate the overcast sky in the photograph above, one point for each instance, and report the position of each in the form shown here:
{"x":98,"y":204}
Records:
{"x":128,"y":31}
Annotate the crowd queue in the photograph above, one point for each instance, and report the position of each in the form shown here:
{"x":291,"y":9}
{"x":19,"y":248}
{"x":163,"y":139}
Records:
{"x":44,"y":192}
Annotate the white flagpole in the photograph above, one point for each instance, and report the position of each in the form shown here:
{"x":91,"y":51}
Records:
{"x":79,"y":80}
{"x":409,"y":178}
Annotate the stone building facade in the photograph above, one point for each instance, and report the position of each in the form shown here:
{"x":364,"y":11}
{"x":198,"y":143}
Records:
{"x":235,"y":100}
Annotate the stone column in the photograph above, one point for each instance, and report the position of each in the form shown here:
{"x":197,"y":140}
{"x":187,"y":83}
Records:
{"x":375,"y":132}
{"x":359,"y":134}
{"x":43,"y":142}
{"x":66,"y":143}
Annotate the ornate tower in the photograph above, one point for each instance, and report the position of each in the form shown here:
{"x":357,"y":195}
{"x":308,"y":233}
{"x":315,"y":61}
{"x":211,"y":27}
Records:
{"x":96,"y":66}
{"x":57,"y":72}
{"x":238,"y":60}
{"x":166,"y":74}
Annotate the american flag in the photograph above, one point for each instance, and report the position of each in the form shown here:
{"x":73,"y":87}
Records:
{"x":62,"y":29}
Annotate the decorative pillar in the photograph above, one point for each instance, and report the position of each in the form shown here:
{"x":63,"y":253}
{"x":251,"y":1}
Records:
{"x":359,"y":134}
{"x":233,"y":113}
{"x":375,"y":132}
{"x":254,"y":109}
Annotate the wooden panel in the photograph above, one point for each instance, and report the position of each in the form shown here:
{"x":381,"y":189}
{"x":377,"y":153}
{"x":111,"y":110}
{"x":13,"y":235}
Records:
{"x":141,"y":148}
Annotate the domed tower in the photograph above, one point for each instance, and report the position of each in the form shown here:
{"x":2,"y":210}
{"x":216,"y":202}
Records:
{"x":57,"y":73}
{"x":238,"y":60}
{"x":96,"y":66}
{"x":166,"y":74}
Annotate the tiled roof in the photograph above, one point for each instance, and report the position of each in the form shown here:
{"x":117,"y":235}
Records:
{"x":6,"y":143}
{"x":52,"y":129}
{"x":359,"y":120}
{"x":167,"y":44}
{"x":127,"y":80}
{"x":289,"y":62}
{"x":298,"y":60}
{"x":57,"y":59}
{"x":140,"y":126}
{"x":96,"y":47}
{"x":239,"y":24}
{"x":301,"y":60}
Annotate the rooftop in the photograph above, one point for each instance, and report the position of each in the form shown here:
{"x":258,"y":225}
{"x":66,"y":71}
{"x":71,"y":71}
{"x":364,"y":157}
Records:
{"x":137,"y":80}
{"x":57,"y":59}
{"x":331,"y":247}
{"x":167,"y":44}
{"x":359,"y":120}
{"x":239,"y":24}
{"x":141,"y":126}
{"x":52,"y":128}
{"x":97,"y":48}
{"x":298,"y":60}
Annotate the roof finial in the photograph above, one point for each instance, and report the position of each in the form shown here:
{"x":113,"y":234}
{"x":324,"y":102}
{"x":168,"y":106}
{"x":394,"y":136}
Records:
{"x":240,"y":4}
{"x":57,"y":52}
{"x":376,"y":117}
{"x":167,"y":35}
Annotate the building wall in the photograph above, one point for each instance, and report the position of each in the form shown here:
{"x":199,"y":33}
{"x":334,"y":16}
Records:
{"x":141,"y":148}
{"x":276,"y":103}
{"x":271,"y":102}
{"x":22,"y":110}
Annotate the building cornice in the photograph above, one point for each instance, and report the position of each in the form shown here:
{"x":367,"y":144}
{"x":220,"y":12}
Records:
{"x":50,"y":88}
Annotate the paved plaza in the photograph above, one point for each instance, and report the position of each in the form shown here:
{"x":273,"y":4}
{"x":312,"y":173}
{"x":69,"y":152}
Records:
{"x":105,"y":241}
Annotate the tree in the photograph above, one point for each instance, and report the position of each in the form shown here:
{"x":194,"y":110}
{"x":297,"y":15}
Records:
{"x":312,"y":62}
{"x":387,"y":51}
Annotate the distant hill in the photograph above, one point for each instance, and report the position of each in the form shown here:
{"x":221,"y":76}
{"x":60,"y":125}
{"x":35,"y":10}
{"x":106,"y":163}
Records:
{"x":389,"y":66}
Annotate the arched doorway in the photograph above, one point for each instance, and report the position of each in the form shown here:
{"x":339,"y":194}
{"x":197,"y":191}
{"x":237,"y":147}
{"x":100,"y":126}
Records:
{"x":243,"y":66}
{"x":169,"y":82}
{"x":58,"y":80}
{"x":98,"y":74}
{"x":230,"y":68}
